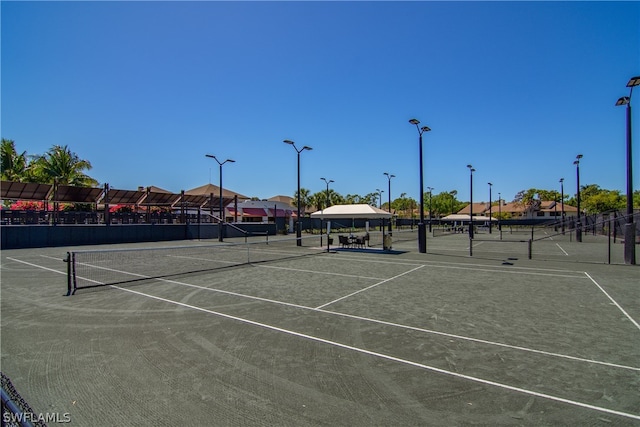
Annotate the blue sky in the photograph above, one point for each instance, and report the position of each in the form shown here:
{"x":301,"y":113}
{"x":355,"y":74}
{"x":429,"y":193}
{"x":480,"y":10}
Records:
{"x":143,"y":90}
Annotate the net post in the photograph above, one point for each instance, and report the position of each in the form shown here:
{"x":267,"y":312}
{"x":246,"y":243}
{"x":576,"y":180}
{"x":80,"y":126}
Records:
{"x":609,"y":241}
{"x":530,"y":245}
{"x":69,"y":279}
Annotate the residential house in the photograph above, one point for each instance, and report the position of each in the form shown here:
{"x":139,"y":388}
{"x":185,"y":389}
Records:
{"x":540,"y":209}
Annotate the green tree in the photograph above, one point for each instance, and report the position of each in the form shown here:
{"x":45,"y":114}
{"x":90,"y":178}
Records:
{"x":595,"y":200}
{"x":370,"y":199}
{"x":527,"y":197}
{"x":444,"y":203}
{"x":305,"y":198}
{"x":352,"y":199}
{"x":403,"y":205}
{"x":14,"y":165}
{"x":65,"y":166}
{"x":319,"y":199}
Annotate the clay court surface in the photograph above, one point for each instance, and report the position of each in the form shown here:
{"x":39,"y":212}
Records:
{"x":350,"y":337}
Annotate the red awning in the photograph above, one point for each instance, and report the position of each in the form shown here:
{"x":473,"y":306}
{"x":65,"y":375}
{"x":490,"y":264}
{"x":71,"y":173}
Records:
{"x":280,"y":212}
{"x":253,"y":211}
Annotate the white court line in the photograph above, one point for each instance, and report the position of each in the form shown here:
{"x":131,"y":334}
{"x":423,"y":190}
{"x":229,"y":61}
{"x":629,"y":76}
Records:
{"x":328,"y":273}
{"x":397,"y":325}
{"x":369,"y":287}
{"x":565,"y":252}
{"x":352,"y":257}
{"x":382,"y":322}
{"x":614,"y":301}
{"x":320,"y":308}
{"x":392,"y":358}
{"x":38,"y":266}
{"x":366,"y":319}
{"x":460,"y":337}
{"x":485,"y":268}
{"x":507,"y":271}
{"x":475,"y":245}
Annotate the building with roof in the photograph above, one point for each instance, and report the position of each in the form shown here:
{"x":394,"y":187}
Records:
{"x":540,"y":209}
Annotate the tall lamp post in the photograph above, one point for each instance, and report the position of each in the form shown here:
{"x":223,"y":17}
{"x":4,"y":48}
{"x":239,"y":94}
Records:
{"x":578,"y":223}
{"x":562,"y":205}
{"x":379,"y":191}
{"x":221,"y":219}
{"x":327,"y":181}
{"x":422,"y":231}
{"x":430,"y":192}
{"x":500,"y":214}
{"x":629,"y":227}
{"x":298,"y":223}
{"x":471,"y":171}
{"x":453,"y":199}
{"x":389,"y":176}
{"x":490,"y":211}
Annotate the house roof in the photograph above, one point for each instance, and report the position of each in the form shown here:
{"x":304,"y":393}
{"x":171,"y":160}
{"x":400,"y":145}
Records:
{"x":478,"y":208}
{"x":513,"y":207}
{"x":284,"y":199}
{"x":207,"y":189}
{"x":558,"y":207}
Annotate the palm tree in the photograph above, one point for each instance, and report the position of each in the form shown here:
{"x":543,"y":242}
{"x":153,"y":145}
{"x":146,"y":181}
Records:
{"x":305,"y":196}
{"x":351,"y":199}
{"x":14,"y":165}
{"x":318,"y":200}
{"x":61,"y":164}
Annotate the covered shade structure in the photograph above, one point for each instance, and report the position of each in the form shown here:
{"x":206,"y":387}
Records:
{"x":358,"y":211}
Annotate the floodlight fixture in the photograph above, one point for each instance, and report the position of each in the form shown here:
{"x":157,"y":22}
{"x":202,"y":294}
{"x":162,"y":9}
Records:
{"x":634,"y":81}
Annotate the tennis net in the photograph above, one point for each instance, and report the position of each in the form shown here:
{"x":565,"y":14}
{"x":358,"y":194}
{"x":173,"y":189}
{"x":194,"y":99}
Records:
{"x":94,"y":268}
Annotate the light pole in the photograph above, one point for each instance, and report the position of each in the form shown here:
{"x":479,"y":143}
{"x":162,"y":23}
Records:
{"x":453,"y":199}
{"x":562,"y":205}
{"x":422,"y":231}
{"x":221,"y":219}
{"x":430,"y":191}
{"x":389,"y":176}
{"x":298,"y":223}
{"x":500,"y":214}
{"x":578,"y":223}
{"x":379,"y":191}
{"x":490,"y":211}
{"x":629,"y":227}
{"x":327,"y":181}
{"x":471,"y":171}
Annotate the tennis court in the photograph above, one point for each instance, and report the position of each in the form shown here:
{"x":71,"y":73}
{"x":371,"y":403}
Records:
{"x":288,"y":335}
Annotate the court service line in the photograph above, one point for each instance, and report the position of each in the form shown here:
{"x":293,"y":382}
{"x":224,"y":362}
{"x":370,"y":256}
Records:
{"x":475,"y":245}
{"x":37,"y":266}
{"x":366,"y":319}
{"x":613,"y":301}
{"x":480,"y":341}
{"x":407,"y":327}
{"x":565,"y":252}
{"x":487,"y":268}
{"x":391,"y":358}
{"x":369,"y":287}
{"x":436,"y":263}
{"x":329,"y":273}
